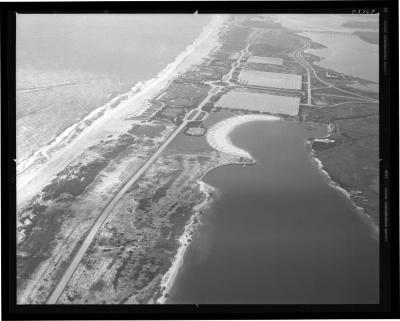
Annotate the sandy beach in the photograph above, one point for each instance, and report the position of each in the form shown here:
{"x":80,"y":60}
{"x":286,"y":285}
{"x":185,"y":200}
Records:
{"x":218,"y":135}
{"x":218,"y":138}
{"x":169,"y":277}
{"x":35,"y":173}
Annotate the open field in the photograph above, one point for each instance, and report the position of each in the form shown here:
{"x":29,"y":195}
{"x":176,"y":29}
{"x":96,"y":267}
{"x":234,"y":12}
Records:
{"x":171,"y":112}
{"x":130,"y":254}
{"x":235,"y":39}
{"x":184,"y":94}
{"x":54,"y":225}
{"x":352,"y":160}
{"x":276,"y":43}
{"x":270,"y":79}
{"x":264,"y":23}
{"x":135,"y":247}
{"x":260,"y":102}
{"x":265,"y":60}
{"x":288,"y":67}
{"x":56,"y":221}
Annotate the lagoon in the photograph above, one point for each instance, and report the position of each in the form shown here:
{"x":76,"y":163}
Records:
{"x":278,"y":233}
{"x":346,"y":53}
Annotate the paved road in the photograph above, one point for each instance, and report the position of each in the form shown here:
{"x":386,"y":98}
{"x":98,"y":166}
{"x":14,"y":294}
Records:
{"x":104,"y":215}
{"x":228,"y":77}
{"x":123,"y":189}
{"x":297,"y":55}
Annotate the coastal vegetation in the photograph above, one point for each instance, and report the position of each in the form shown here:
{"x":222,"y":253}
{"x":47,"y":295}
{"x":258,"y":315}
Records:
{"x":130,"y":258}
{"x":136,"y":246}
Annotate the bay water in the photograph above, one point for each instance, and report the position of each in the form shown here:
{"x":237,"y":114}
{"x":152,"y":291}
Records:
{"x":278,"y":233}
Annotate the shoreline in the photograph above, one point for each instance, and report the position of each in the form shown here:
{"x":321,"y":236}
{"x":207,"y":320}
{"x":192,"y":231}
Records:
{"x":348,"y":194}
{"x":218,"y":135}
{"x":226,"y":145}
{"x":33,"y":176}
{"x":168,"y":279}
{"x":329,"y":61}
{"x":222,"y":144}
{"x":69,"y":131}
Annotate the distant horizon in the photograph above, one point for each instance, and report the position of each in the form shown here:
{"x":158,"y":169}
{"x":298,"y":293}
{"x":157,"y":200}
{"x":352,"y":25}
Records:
{"x":201,"y":159}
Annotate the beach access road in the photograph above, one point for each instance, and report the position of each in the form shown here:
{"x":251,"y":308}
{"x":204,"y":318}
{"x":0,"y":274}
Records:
{"x":124,"y":186}
{"x":58,"y":290}
{"x":297,"y":55}
{"x":228,"y":77}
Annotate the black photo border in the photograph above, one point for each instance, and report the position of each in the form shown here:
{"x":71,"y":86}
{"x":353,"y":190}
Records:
{"x":389,"y":166}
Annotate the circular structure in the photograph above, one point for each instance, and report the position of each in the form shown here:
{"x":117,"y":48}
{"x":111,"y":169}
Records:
{"x":218,"y":135}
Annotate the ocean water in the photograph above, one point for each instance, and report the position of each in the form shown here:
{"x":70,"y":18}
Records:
{"x":347,"y":54}
{"x":70,"y":64}
{"x":278,"y":233}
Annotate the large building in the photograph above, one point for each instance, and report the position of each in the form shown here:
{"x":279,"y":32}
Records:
{"x":270,"y":79}
{"x":257,"y":102}
{"x":265,"y":60}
